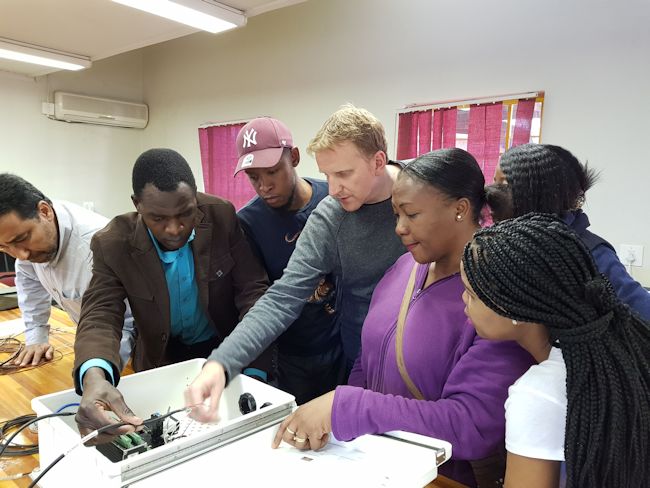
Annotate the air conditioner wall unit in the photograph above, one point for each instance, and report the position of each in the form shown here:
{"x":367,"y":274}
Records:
{"x":102,"y":111}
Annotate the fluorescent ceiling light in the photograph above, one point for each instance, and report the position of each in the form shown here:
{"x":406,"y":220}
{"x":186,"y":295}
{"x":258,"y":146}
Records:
{"x":206,"y":15}
{"x":30,"y":53}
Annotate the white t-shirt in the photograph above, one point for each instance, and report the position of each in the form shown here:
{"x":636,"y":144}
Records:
{"x":536,"y":411}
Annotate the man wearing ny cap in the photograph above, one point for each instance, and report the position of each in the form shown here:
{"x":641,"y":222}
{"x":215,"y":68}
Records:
{"x":311,"y":359}
{"x":351,"y":234}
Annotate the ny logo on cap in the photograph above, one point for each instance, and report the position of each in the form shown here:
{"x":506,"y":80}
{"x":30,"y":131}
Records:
{"x":249,"y":138}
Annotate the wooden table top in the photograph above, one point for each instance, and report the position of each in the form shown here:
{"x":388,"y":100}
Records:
{"x":18,"y":389}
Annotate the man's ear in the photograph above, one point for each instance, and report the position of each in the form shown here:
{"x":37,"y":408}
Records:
{"x":45,"y":211}
{"x":136,"y":203}
{"x":378,"y":162}
{"x":295,"y":156}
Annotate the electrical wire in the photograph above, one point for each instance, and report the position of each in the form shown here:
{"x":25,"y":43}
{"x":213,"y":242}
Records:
{"x":15,"y":369}
{"x":66,"y":406}
{"x":42,"y":473}
{"x":170,"y":438}
{"x":63,"y":330}
{"x":3,"y":348}
{"x":13,"y":477}
{"x":6,"y":368}
{"x":30,"y":422}
{"x":22,"y":449}
{"x":95,"y":433}
{"x":191,"y":421}
{"x":173,"y":429}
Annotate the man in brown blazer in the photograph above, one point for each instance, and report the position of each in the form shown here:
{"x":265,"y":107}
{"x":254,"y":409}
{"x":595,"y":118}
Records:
{"x":190,"y":276}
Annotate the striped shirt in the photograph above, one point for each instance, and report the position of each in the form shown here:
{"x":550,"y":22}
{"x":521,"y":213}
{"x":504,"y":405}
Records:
{"x":64,"y":278}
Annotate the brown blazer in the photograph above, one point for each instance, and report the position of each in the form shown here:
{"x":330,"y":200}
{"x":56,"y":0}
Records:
{"x":126,"y":265}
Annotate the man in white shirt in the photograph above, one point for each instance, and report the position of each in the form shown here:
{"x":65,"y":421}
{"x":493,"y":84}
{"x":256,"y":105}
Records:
{"x":51,"y":244}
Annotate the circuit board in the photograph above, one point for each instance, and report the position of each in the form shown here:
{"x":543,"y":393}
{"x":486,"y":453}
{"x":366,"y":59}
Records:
{"x":160,"y":430}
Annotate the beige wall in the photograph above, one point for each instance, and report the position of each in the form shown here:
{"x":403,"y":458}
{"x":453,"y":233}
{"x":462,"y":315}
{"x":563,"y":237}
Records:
{"x":75,"y":162}
{"x":300,"y":63}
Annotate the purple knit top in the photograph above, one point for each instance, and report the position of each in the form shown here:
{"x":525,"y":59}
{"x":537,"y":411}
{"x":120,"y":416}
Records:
{"x":463,"y":378}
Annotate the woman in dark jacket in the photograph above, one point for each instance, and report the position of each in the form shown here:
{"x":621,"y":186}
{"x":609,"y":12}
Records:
{"x":549,"y":179}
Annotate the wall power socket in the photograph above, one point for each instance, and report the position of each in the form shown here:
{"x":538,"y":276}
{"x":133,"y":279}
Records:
{"x":628,"y":252}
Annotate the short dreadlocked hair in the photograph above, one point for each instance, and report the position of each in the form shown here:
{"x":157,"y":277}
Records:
{"x":163,"y":168}
{"x":536,"y":269}
{"x":546,"y":179}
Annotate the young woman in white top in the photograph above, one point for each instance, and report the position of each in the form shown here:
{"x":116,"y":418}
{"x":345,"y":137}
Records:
{"x":587,"y":402}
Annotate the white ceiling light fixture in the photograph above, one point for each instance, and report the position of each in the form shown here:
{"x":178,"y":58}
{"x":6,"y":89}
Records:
{"x":30,"y":53}
{"x":206,"y":15}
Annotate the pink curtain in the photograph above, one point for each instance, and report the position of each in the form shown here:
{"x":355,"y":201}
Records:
{"x":424,"y":132}
{"x":436,"y":139}
{"x":219,"y":160}
{"x":449,"y":118}
{"x":404,"y":136}
{"x":493,"y":121}
{"x":484,"y":137}
{"x":525,"y":109}
{"x":476,"y":133}
{"x":420,"y":132}
{"x":414,"y":135}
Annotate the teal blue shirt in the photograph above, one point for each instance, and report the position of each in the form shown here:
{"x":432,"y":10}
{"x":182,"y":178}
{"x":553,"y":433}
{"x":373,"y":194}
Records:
{"x":189,"y":323}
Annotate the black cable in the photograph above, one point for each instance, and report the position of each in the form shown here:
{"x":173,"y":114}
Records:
{"x":27,"y":424}
{"x":61,"y":456}
{"x":42,"y":473}
{"x":99,"y":431}
{"x":22,"y":449}
{"x":15,"y":354}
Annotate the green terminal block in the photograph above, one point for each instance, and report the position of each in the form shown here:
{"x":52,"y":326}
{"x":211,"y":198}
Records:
{"x":124,"y":441}
{"x":137,"y":440}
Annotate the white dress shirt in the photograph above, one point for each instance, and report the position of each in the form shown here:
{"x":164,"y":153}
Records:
{"x":64,"y":278}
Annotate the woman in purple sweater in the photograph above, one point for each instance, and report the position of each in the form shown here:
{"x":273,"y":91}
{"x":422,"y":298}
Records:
{"x":464,"y":379}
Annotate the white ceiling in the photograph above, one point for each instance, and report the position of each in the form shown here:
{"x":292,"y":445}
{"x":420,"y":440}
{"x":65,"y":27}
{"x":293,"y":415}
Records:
{"x":95,"y":28}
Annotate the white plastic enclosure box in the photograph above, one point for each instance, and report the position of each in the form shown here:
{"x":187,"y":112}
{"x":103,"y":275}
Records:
{"x":154,"y":391}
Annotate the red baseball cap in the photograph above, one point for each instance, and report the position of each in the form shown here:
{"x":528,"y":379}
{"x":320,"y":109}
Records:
{"x":260,"y":143}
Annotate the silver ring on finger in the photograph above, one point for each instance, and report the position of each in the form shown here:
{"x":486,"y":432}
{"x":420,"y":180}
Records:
{"x":298,"y":439}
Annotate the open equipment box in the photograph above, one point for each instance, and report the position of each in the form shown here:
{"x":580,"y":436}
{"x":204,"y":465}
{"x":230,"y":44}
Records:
{"x":146,"y":393}
{"x":226,"y":449}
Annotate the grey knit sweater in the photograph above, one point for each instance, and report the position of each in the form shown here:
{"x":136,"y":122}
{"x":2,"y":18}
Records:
{"x":357,"y":247}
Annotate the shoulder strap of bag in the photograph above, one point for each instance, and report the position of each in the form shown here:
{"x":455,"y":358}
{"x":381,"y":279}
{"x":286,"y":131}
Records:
{"x":399,"y":339}
{"x":489,"y":471}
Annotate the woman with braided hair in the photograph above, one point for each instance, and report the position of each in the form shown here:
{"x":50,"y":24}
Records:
{"x":533,"y":280}
{"x":549,"y":179}
{"x":426,"y":371}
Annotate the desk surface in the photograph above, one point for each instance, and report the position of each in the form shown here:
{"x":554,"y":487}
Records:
{"x":18,"y":390}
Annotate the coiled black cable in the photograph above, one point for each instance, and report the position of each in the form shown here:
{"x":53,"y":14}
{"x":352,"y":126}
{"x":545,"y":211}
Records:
{"x":16,"y":449}
{"x":4,"y":447}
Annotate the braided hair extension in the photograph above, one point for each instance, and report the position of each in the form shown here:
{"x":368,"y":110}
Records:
{"x":536,"y":269}
{"x":546,"y":179}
